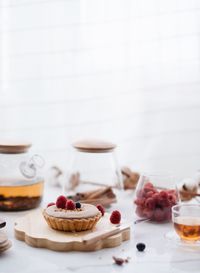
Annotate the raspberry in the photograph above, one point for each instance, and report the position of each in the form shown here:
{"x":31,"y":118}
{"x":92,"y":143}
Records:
{"x":156,"y":196}
{"x":148,"y":213}
{"x":150,"y":203}
{"x":61,"y":202}
{"x":149,"y":185}
{"x":149,"y":194}
{"x":146,"y":190}
{"x":163,"y":194}
{"x":172,"y":199}
{"x":101,"y":209}
{"x":115,"y":217}
{"x":50,"y":204}
{"x":159,"y":215}
{"x":70,"y":205}
{"x":140,"y":201}
{"x":165,"y":203}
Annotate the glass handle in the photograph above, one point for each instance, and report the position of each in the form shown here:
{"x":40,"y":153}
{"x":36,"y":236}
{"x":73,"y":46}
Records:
{"x":29,"y":168}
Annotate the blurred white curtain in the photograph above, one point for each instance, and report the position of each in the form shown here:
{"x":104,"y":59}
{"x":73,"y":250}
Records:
{"x":124,"y":70}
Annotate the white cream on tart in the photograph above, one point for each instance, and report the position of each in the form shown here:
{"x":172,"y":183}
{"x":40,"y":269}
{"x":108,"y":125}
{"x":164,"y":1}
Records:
{"x":86,"y":211}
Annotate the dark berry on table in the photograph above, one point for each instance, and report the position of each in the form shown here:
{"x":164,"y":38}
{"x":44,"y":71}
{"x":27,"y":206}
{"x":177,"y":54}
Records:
{"x":78,"y":205}
{"x":101,"y":209}
{"x":61,"y":202}
{"x":141,"y":247}
{"x":70,"y":205}
{"x":50,"y":204}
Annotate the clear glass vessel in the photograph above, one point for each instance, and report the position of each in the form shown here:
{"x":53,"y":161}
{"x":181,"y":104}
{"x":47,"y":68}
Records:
{"x":154,"y":197}
{"x":186,"y":220}
{"x":94,"y":163}
{"x":21,"y":179}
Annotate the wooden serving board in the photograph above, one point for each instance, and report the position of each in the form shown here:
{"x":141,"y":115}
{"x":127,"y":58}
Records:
{"x":33,"y":229}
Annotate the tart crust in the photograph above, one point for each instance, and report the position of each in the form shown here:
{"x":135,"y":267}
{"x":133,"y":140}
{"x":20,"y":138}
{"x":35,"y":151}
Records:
{"x":72,"y":225}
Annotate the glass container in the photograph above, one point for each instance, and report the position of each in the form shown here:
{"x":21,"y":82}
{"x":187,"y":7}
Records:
{"x":186,"y":220}
{"x":21,"y":179}
{"x":154,"y":197}
{"x":94,"y":163}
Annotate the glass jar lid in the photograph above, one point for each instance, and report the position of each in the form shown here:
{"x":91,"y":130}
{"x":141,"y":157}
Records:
{"x":14,"y":147}
{"x":94,"y":146}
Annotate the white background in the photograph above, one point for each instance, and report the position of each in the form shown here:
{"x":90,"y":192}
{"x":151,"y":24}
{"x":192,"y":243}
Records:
{"x":127,"y":71}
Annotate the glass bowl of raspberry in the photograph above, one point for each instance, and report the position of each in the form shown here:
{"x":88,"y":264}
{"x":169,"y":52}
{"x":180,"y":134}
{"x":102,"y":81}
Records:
{"x":155,"y":195}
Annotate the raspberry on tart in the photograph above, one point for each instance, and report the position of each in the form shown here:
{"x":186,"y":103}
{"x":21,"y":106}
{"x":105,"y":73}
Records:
{"x":70,"y":205}
{"x":50,"y":204}
{"x":101,"y":209}
{"x":61,"y":202}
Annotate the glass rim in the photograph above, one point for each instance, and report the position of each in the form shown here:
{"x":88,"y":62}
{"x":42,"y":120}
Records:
{"x":184,"y":205}
{"x":156,"y":174}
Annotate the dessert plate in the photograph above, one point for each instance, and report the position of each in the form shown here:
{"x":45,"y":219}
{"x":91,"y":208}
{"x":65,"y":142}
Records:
{"x":33,"y":229}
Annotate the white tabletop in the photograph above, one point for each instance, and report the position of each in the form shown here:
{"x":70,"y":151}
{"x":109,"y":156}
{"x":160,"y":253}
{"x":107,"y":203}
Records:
{"x":160,"y":255}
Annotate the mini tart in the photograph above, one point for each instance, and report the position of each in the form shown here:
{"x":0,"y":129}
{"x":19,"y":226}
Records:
{"x":72,"y":220}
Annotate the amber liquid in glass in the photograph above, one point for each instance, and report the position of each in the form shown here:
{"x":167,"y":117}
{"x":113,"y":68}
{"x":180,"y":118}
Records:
{"x":19,"y":194}
{"x":188,"y":228}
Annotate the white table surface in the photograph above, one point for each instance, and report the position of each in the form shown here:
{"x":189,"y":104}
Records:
{"x":161,"y":254}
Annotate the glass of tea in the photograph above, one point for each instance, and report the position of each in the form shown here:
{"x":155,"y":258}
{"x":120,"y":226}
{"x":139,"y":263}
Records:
{"x":186,"y":220}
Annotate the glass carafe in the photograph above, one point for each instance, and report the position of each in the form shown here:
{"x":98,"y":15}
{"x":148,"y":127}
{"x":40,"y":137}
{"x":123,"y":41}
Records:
{"x":21,"y":178}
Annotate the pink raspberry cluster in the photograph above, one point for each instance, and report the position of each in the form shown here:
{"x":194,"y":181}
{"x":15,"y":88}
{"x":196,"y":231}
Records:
{"x":153,"y":204}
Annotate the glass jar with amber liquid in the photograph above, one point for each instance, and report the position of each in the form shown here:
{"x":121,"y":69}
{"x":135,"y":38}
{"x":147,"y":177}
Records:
{"x":21,"y":180}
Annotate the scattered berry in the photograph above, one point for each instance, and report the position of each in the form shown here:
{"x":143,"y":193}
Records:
{"x":141,"y":247}
{"x":101,"y":209}
{"x":50,"y":204}
{"x":61,"y":202}
{"x":78,"y":205}
{"x":120,"y":261}
{"x":115,"y":217}
{"x":70,"y":205}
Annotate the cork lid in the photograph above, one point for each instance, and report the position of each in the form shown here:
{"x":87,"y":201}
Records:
{"x":14,"y":147}
{"x":94,"y":146}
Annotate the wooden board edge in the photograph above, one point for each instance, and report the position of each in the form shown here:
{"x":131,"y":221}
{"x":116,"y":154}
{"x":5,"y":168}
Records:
{"x":112,"y":241}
